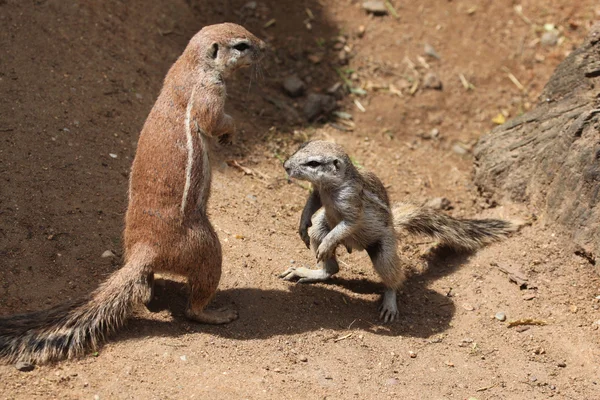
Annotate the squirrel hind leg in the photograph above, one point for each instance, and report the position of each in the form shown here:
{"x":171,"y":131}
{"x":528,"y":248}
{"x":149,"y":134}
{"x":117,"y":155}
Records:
{"x":392,"y":270}
{"x":204,"y":274}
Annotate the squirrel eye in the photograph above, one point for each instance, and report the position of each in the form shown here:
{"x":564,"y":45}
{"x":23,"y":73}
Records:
{"x":243,"y":46}
{"x":313,"y":164}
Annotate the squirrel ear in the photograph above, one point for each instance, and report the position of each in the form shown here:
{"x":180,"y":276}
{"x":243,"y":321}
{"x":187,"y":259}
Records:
{"x":336,"y":164}
{"x":215,"y":50}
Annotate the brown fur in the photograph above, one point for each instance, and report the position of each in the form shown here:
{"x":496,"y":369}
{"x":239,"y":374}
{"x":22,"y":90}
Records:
{"x":351,"y":208}
{"x":166,"y":225}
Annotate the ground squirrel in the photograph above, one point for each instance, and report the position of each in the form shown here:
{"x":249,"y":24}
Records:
{"x":351,"y":207}
{"x":166,"y":225}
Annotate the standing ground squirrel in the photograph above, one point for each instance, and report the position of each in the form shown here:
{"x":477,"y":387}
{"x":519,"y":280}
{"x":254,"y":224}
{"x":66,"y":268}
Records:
{"x":351,"y":208}
{"x":166,"y":225}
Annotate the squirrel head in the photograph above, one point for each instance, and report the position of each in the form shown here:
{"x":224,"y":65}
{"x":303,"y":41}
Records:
{"x":321,"y":163}
{"x":226,"y":47}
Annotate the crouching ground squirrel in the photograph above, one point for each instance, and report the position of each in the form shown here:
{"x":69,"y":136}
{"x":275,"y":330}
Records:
{"x":351,"y":208}
{"x":166,"y":226}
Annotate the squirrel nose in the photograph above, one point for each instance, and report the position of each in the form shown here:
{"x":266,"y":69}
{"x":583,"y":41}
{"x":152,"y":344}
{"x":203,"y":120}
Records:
{"x":287,"y":168}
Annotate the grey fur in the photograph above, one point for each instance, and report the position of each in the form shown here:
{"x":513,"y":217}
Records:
{"x":351,"y":208}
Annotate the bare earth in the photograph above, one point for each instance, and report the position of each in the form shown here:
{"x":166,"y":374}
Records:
{"x":77,"y":80}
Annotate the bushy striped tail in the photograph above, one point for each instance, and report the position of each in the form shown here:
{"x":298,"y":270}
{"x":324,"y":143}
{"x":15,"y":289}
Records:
{"x":459,"y":234}
{"x":69,"y":330}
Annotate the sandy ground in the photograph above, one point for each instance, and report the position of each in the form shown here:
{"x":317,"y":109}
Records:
{"x":77,"y":80}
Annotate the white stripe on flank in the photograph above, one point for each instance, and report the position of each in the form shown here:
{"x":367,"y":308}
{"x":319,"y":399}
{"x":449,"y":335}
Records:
{"x":206,"y":173}
{"x":190,"y":152}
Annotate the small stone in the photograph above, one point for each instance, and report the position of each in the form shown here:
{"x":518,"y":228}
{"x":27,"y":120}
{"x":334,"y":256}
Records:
{"x":458,"y":149}
{"x":303,"y":358}
{"x":522,"y":328}
{"x":529,"y":296}
{"x":96,"y":397}
{"x":532,"y":378}
{"x":549,"y":38}
{"x":412,"y":354}
{"x":251,"y":5}
{"x":293,"y":86}
{"x":112,"y":155}
{"x":500,"y":316}
{"x":468,"y":307}
{"x":375,"y":7}
{"x":391,"y":382}
{"x":183,"y":358}
{"x":439,"y":203}
{"x":561,"y":364}
{"x":24,"y":366}
{"x":108,"y":254}
{"x":432,"y":81}
{"x":573,"y":308}
{"x":430,"y":51}
{"x":318,"y":104}
{"x":552,"y":387}
{"x":361,"y":31}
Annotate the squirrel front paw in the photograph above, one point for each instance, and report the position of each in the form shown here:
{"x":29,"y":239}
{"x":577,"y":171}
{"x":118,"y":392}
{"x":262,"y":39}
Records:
{"x":325,"y":251}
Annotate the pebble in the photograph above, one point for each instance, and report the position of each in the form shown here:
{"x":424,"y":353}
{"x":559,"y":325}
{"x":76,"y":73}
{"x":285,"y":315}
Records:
{"x":24,"y":366}
{"x":293,"y":86}
{"x":432,"y":81}
{"x":500,"y":316}
{"x":108,"y":254}
{"x":318,"y":104}
{"x":430,"y":51}
{"x":522,"y":328}
{"x":529,"y":296}
{"x":561,"y":364}
{"x":458,"y":149}
{"x":412,"y":354}
{"x":468,"y":307}
{"x":375,"y":7}
{"x":183,"y":358}
{"x":361,"y":31}
{"x":439,"y":203}
{"x":391,"y":382}
{"x":303,"y":358}
{"x":549,"y":39}
{"x":113,"y":155}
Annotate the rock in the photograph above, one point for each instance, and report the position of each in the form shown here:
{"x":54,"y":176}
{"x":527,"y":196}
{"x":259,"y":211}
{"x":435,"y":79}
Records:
{"x":500,"y":316}
{"x":468,"y":307}
{"x":251,"y":5}
{"x":561,"y":364}
{"x":430,"y":51}
{"x":318,"y":104}
{"x":293,"y":86}
{"x":375,"y":7}
{"x":24,"y":366}
{"x":361,"y":31}
{"x":439,"y":203}
{"x":303,"y":358}
{"x":108,"y":254}
{"x":432,"y":81}
{"x":458,"y":149}
{"x":412,"y":354}
{"x":549,"y":38}
{"x":529,"y":296}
